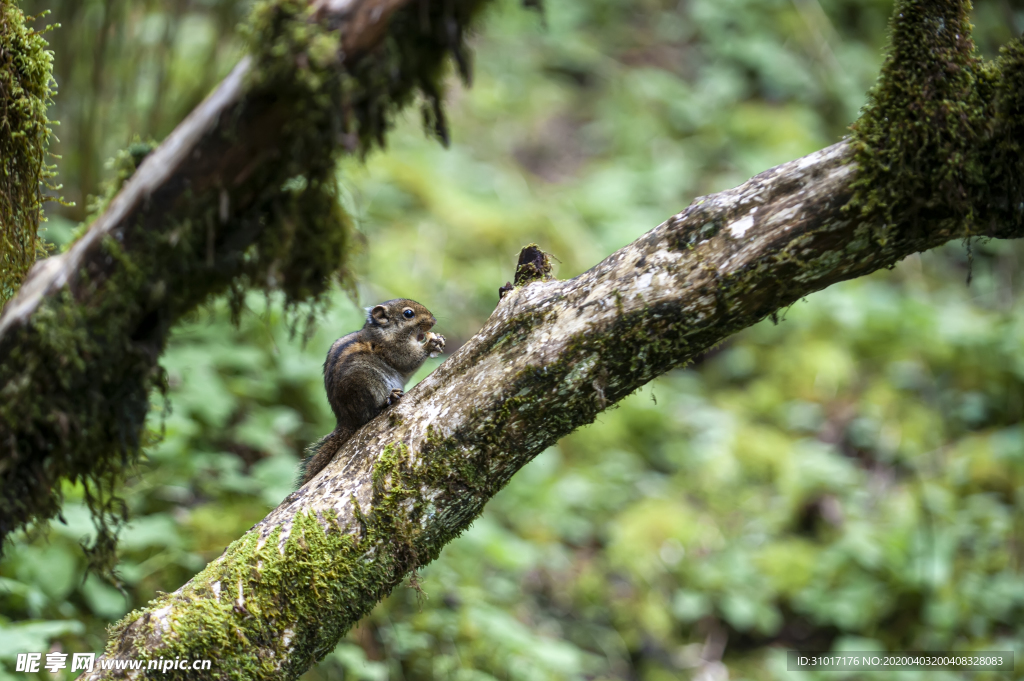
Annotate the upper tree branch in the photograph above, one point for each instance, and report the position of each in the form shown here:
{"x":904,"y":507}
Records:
{"x":209,"y":150}
{"x":213,"y":206}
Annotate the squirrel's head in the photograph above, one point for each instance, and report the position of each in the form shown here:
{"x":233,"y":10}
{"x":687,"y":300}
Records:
{"x":401,"y":316}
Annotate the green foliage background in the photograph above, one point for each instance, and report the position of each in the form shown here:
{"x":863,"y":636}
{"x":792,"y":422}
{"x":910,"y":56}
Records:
{"x":851,"y":478}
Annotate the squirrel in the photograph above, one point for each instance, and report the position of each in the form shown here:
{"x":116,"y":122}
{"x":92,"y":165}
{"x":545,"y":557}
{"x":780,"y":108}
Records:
{"x":366,"y":371}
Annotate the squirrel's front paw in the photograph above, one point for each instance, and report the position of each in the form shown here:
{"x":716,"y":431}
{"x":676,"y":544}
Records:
{"x":434,"y":344}
{"x":395,"y":395}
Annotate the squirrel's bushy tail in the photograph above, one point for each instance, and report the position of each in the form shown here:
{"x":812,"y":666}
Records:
{"x":320,"y":453}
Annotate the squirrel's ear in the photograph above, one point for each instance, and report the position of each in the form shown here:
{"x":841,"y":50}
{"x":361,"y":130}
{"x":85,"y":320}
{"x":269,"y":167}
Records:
{"x":379,"y":314}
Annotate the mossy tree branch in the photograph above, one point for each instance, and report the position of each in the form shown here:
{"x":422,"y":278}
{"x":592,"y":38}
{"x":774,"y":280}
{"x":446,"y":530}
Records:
{"x":241,"y":195}
{"x":554,"y":354}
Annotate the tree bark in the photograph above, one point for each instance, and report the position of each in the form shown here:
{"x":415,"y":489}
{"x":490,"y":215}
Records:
{"x":206,"y":151}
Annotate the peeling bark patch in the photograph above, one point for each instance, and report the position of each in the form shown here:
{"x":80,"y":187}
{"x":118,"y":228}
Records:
{"x":740,"y":227}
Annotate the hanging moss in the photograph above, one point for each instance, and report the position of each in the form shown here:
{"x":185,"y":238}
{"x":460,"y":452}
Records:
{"x":26,"y":91}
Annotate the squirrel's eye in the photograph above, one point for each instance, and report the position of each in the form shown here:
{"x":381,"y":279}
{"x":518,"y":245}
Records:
{"x":409,"y":314}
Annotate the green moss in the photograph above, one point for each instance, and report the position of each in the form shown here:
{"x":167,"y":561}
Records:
{"x":317,"y":570}
{"x":26,"y":91}
{"x":937,"y":146}
{"x":307,"y":234}
{"x":227,"y":615}
{"x":1006,"y":149}
{"x":517,"y":328}
{"x":410,"y":62}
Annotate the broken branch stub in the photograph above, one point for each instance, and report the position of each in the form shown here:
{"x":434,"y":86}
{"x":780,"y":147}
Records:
{"x":533,"y":265}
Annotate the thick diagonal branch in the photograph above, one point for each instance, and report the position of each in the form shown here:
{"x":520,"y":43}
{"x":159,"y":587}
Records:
{"x":552,"y":355}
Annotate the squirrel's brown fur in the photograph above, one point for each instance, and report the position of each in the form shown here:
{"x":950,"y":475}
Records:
{"x":366,"y":370}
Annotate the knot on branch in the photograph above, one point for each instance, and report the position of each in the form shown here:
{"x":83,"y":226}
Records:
{"x":937,"y":146}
